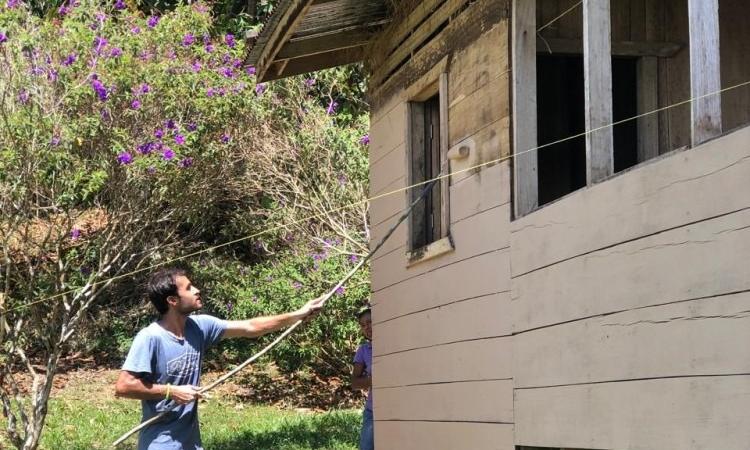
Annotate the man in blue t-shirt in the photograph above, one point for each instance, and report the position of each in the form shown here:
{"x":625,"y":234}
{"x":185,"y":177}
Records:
{"x":164,"y":362}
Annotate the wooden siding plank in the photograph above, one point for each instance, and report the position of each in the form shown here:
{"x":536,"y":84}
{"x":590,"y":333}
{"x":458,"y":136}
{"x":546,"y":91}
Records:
{"x":384,"y":208}
{"x":677,"y":189}
{"x":484,"y":359}
{"x":525,"y":178}
{"x":473,"y":278}
{"x":477,"y":401}
{"x":481,"y":234}
{"x":387,"y":169}
{"x":443,"y":435}
{"x":699,"y":260}
{"x":648,"y":100}
{"x":388,"y":131}
{"x":597,"y":70}
{"x":689,"y":413}
{"x":485,"y":106}
{"x":735,"y":45}
{"x":477,"y":318}
{"x":478,"y":64}
{"x":705,"y":69}
{"x":691,"y":338}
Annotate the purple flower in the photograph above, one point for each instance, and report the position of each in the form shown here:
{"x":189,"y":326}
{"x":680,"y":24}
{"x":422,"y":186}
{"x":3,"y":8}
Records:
{"x":365,"y":140}
{"x":353,"y":258}
{"x":116,"y":52}
{"x":159,"y":133}
{"x":188,"y":40}
{"x":340,"y":291}
{"x":152,"y":21}
{"x":70,"y":59}
{"x":55,"y":141}
{"x":10,"y":4}
{"x":167,"y":154}
{"x":124,"y":158}
{"x":144,"y":88}
{"x":99,"y":43}
{"x":209,"y":47}
{"x":75,"y":233}
{"x":179,"y":139}
{"x":135,"y":104}
{"x":23,"y":96}
{"x":227,"y":72}
{"x":3,"y":37}
{"x":85,"y":271}
{"x":52,"y":75}
{"x":135,"y":30}
{"x":171,"y":54}
{"x":250,"y":70}
{"x":225,"y":139}
{"x":170,"y":124}
{"x":229,"y":307}
{"x":119,"y":4}
{"x":196,"y":66}
{"x":309,"y":82}
{"x":186,"y":162}
{"x":260,"y":88}
{"x":100,"y":90}
{"x":151,"y":170}
{"x":63,"y":10}
{"x":192,"y":127}
{"x":318,"y":256}
{"x":332,"y":107}
{"x":297,"y":285}
{"x":236,"y":63}
{"x":105,"y":115}
{"x":100,"y":16}
{"x":206,"y":38}
{"x":229,"y":40}
{"x":210,"y":92}
{"x":145,"y":149}
{"x":342,"y":179}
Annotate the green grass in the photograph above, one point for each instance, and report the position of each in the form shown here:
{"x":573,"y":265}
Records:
{"x":94,"y":423}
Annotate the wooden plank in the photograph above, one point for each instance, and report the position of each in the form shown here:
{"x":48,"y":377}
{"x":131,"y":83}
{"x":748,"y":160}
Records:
{"x":671,"y":192}
{"x":490,"y":233}
{"x":619,"y":48}
{"x":571,"y":24}
{"x":688,"y":413}
{"x":483,"y":276}
{"x":398,"y":435}
{"x":477,"y":401}
{"x":597,"y":70}
{"x":387,"y":169}
{"x":638,"y":20}
{"x":477,"y":194}
{"x":483,"y":107}
{"x":443,"y":166}
{"x":484,"y":359}
{"x":281,"y":27}
{"x":677,"y":77}
{"x":416,"y":38}
{"x":388,"y":132}
{"x":416,"y":158}
{"x":471,"y":319}
{"x":705,"y":70}
{"x":691,"y":338}
{"x":322,"y":43}
{"x":397,"y":32}
{"x":648,"y":100}
{"x":700,"y":260}
{"x":525,"y":178}
{"x":484,"y":60}
{"x":487,"y":147}
{"x":620,"y":20}
{"x":735,"y":43}
{"x":315,"y":62}
{"x":384,"y":208}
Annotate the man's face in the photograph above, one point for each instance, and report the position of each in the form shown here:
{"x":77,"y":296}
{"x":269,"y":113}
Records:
{"x":188,"y":296}
{"x":365,"y":324}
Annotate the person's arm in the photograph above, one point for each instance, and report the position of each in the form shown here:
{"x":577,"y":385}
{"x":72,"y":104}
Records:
{"x":259,"y":326}
{"x":130,"y":386}
{"x":360,"y":381}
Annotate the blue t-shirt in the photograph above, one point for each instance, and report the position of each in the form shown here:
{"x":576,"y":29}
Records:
{"x":364,"y":356}
{"x":158,"y":356}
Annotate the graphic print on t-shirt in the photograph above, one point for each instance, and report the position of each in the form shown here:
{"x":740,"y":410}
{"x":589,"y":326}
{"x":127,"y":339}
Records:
{"x":181,"y":368}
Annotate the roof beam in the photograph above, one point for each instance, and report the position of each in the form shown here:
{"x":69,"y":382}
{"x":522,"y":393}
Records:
{"x":312,"y":45}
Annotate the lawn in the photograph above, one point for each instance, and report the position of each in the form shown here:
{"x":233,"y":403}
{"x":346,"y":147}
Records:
{"x":89,"y":417}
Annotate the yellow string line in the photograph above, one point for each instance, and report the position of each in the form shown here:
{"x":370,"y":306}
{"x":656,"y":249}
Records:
{"x":559,"y":17}
{"x":386,"y":194}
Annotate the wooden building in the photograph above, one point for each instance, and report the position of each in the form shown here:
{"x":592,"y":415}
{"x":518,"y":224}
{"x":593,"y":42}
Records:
{"x":572,"y":284}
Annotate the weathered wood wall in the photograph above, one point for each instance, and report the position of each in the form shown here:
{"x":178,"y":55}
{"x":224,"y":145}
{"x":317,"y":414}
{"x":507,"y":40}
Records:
{"x":629,"y":302}
{"x":612,"y":318}
{"x":442,"y":377}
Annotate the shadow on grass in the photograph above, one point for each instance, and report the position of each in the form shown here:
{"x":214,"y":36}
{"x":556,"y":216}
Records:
{"x":328,"y":431}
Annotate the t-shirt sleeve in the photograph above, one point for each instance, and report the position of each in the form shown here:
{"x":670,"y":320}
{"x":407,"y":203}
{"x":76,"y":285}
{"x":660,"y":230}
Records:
{"x":141,"y":354}
{"x":212,"y":327}
{"x":359,"y":356}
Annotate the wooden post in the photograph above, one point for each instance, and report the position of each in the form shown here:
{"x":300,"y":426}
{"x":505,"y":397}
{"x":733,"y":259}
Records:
{"x":705,"y":71}
{"x":445,"y":216}
{"x":525,"y":178}
{"x":648,"y":100}
{"x":597,"y":73}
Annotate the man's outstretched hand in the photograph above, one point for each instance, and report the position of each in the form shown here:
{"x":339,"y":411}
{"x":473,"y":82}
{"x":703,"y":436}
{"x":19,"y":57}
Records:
{"x":311,"y":308}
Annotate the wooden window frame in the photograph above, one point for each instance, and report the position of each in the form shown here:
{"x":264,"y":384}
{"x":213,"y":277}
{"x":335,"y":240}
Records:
{"x":705,"y":79}
{"x":432,"y":84}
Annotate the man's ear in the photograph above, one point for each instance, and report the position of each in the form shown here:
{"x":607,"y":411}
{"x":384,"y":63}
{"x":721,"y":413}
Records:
{"x":173,"y":300}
